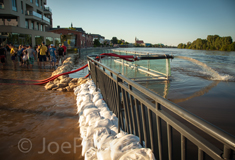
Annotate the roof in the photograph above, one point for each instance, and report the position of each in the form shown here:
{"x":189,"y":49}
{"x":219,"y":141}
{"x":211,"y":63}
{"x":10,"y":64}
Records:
{"x":77,"y":29}
{"x":139,"y":42}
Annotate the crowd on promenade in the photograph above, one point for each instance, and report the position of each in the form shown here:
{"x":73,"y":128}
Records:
{"x":27,"y":56}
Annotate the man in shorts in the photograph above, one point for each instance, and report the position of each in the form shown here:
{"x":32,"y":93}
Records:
{"x":31,"y":55}
{"x":2,"y":55}
{"x":42,"y":58}
{"x":60,"y":54}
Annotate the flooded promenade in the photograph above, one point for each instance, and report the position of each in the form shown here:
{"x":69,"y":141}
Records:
{"x":35,"y":123}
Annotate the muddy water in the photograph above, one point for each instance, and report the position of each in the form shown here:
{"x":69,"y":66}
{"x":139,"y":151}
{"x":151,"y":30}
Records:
{"x":35,"y":123}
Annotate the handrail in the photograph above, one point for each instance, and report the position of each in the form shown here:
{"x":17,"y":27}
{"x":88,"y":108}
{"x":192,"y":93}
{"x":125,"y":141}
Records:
{"x":198,"y":122}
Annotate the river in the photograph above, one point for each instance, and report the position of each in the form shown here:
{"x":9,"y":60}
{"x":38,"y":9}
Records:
{"x":195,"y":89}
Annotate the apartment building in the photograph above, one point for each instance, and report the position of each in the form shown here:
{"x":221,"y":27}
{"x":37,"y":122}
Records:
{"x":25,"y":22}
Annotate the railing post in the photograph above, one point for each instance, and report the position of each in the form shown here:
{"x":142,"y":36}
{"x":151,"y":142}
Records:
{"x":118,"y":102}
{"x":167,"y":68}
{"x":228,"y":153}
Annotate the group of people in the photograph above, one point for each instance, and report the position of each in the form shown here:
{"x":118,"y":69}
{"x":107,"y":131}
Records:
{"x":26,"y":55}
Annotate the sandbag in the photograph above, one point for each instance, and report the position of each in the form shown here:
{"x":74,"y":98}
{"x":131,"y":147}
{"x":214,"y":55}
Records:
{"x":91,"y":154}
{"x":138,"y":154}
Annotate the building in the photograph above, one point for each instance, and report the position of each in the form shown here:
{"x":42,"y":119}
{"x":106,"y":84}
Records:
{"x":73,"y":37}
{"x":99,"y":37}
{"x":25,"y":21}
{"x":137,"y":41}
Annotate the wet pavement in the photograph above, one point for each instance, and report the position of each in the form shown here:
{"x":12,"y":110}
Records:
{"x":35,"y":123}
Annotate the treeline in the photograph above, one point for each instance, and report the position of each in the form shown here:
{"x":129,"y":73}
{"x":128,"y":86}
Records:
{"x":211,"y":43}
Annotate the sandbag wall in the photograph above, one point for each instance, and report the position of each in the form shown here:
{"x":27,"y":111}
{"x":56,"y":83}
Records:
{"x":99,"y":129}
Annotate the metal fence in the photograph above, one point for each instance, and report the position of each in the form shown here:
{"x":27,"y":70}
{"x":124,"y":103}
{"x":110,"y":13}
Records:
{"x":169,"y":130}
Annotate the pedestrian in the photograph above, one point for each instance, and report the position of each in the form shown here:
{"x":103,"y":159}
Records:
{"x":65,"y":50}
{"x":20,"y":54}
{"x":42,"y":58}
{"x":13,"y":53}
{"x":31,"y":55}
{"x":52,"y":52}
{"x":60,"y":54}
{"x":2,"y":56}
{"x":38,"y":54}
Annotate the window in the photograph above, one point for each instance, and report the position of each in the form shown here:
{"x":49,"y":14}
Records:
{"x":26,"y":24}
{"x":41,"y":4}
{"x":41,"y":28}
{"x":22,"y":9}
{"x":1,"y":4}
{"x":37,"y":4}
{"x":14,"y":7}
{"x":32,"y":25}
{"x":31,"y":1}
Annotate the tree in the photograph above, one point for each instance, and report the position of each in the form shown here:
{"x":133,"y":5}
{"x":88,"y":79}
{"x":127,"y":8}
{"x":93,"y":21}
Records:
{"x":180,"y":45}
{"x":96,"y":43}
{"x":114,"y":40}
{"x":231,"y":47}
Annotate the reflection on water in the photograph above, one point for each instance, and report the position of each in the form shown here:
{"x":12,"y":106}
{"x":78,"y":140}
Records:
{"x":29,"y":111}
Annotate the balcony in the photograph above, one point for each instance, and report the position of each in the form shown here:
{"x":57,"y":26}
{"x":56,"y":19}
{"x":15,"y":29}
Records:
{"x":34,"y":16}
{"x":47,"y":10}
{"x":46,"y":19}
{"x":33,"y":13}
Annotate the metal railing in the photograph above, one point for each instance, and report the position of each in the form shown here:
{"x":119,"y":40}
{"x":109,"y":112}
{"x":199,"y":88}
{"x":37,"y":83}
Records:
{"x":46,"y":19}
{"x":169,"y":130}
{"x":33,"y":13}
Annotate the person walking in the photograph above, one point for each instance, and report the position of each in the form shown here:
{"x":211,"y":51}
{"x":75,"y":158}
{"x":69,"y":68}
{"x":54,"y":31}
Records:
{"x":52,"y":52}
{"x":42,"y":58}
{"x":38,"y":54}
{"x":31,"y":55}
{"x":60,"y":54}
{"x":65,"y":50}
{"x":13,"y":53}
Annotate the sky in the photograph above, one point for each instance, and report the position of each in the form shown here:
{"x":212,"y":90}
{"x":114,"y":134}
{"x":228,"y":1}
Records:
{"x":169,"y":22}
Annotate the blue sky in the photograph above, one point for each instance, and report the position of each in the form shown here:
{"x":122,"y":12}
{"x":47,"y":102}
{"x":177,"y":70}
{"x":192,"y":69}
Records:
{"x":167,"y":21}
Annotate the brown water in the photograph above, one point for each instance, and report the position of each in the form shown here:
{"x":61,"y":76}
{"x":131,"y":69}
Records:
{"x":46,"y":118}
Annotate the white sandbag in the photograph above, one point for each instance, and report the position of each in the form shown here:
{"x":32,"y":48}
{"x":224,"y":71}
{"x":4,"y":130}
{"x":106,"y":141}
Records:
{"x":114,"y":120}
{"x":104,"y":154}
{"x":104,"y":142}
{"x":106,"y":114}
{"x":87,"y":111}
{"x":91,"y":116}
{"x":138,"y":154}
{"x":83,"y":131}
{"x":92,"y":121}
{"x":88,"y":97}
{"x":121,"y":145}
{"x":100,"y":103}
{"x":84,"y":105}
{"x":103,"y":123}
{"x":97,"y":97}
{"x":91,"y":154}
{"x":99,"y":133}
{"x":92,"y":90}
{"x":82,"y":120}
{"x":87,"y":143}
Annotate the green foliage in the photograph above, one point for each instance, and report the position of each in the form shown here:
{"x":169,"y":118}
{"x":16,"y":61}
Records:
{"x":114,"y":40}
{"x":96,"y":43}
{"x":213,"y":42}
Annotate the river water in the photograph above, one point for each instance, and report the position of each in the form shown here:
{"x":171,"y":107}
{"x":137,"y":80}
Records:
{"x":197,"y":89}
